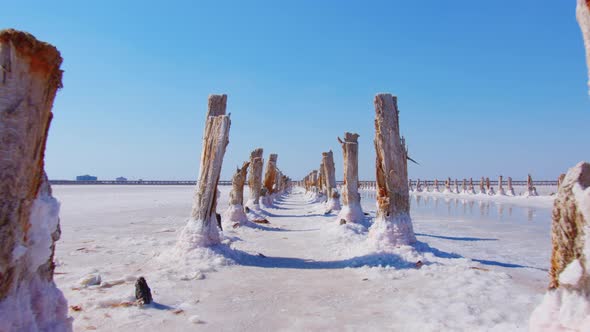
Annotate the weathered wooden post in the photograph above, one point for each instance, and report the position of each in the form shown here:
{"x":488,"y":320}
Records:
{"x":30,"y":76}
{"x":464,"y":186}
{"x":531,"y":190}
{"x":482,"y":189}
{"x":255,"y":179}
{"x":351,"y":211}
{"x":436,"y":189}
{"x":269,"y":179}
{"x":202,"y":229}
{"x":489,"y":188}
{"x":501,"y":191}
{"x":471,"y":189}
{"x":418,"y":186}
{"x":333,"y":197}
{"x":410,"y":186}
{"x":569,"y":274}
{"x":393,"y":225}
{"x":426,"y":187}
{"x":235,"y":212}
{"x":447,"y":186}
{"x":456,"y":189}
{"x":510,"y":191}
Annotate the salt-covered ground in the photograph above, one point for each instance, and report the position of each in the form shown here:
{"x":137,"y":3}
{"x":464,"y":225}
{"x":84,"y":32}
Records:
{"x":484,"y":265}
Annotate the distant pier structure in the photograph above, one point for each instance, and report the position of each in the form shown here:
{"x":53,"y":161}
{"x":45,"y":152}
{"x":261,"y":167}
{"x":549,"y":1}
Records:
{"x":86,"y":178}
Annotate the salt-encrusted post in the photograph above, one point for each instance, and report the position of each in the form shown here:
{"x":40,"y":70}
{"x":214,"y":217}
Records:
{"x":456,"y":189}
{"x":235,"y":211}
{"x":393,"y":225}
{"x":271,"y":173}
{"x":333,"y":197}
{"x":314,"y":180}
{"x":531,"y":190}
{"x":447,"y":186}
{"x":410,"y":186}
{"x":464,"y":186}
{"x":501,"y":191}
{"x":482,"y":189}
{"x":30,"y":76}
{"x":471,"y":189}
{"x":510,"y":190}
{"x":321,"y":179}
{"x":489,"y":188}
{"x":351,"y":211}
{"x":418,"y":186}
{"x":569,"y":286}
{"x":436,"y":186}
{"x":255,"y":179}
{"x":201,"y":229}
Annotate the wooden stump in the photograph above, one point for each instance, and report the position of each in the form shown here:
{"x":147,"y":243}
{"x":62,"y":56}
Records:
{"x":351,"y":199}
{"x":457,"y":187}
{"x":447,"y":186}
{"x":571,"y":220}
{"x":255,"y":178}
{"x":30,"y":76}
{"x":393,"y":225}
{"x":510,"y":190}
{"x":501,"y":191}
{"x":436,"y":186}
{"x":531,"y":190}
{"x":489,"y":188}
{"x":569,"y":274}
{"x":482,"y":189}
{"x":202,"y":230}
{"x":410,"y":186}
{"x":464,"y":186}
{"x":333,"y":197}
{"x":471,"y":188}
{"x":271,"y":172}
{"x":235,"y":211}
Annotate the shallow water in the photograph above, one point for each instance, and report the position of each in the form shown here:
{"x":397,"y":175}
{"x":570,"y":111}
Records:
{"x":515,"y":236}
{"x":467,"y":208}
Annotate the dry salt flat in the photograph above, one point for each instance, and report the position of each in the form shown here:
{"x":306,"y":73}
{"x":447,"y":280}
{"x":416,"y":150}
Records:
{"x":483,"y":265}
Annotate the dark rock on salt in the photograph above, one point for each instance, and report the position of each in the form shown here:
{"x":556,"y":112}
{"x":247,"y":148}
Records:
{"x":142,"y":292}
{"x":342,"y":221}
{"x":218,"y":217}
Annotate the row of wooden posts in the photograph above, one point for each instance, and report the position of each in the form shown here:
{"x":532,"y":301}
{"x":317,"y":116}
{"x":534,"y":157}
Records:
{"x":262,"y":190}
{"x":392,"y":225}
{"x":467,"y":187}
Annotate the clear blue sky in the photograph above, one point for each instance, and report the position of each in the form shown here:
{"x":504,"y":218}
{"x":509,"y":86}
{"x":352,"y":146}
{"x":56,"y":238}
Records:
{"x":484,"y":87}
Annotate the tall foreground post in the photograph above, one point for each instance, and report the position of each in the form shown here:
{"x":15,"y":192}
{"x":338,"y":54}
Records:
{"x":235,"y":211}
{"x":351,"y":199}
{"x":393,"y":225}
{"x":566,"y":304}
{"x":201,"y":229}
{"x":29,"y":216}
{"x":333,"y":197}
{"x":255,"y":178}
